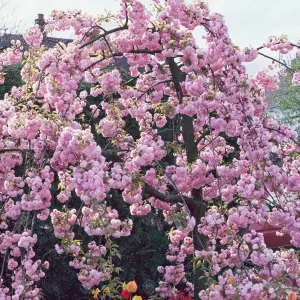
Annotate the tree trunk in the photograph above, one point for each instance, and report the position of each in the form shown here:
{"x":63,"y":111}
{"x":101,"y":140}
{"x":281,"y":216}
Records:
{"x":198,"y":209}
{"x":199,"y":240}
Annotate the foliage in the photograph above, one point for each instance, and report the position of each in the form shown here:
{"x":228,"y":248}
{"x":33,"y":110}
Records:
{"x":287,"y":98}
{"x":12,"y":78}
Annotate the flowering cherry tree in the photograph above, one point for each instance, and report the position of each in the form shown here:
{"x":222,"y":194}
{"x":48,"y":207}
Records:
{"x":213,"y":175}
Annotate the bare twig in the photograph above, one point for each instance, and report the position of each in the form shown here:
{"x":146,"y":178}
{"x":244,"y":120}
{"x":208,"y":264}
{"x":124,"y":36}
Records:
{"x":106,"y":33}
{"x":278,"y":61}
{"x":144,"y":93}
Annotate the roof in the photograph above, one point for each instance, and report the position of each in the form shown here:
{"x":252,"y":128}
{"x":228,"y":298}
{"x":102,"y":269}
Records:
{"x":49,"y":42}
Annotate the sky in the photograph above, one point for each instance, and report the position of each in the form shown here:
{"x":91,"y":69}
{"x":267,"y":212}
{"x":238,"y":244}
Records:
{"x":250,"y":22}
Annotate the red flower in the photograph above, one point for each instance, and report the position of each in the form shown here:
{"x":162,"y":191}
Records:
{"x":181,"y":296}
{"x":125,"y":295}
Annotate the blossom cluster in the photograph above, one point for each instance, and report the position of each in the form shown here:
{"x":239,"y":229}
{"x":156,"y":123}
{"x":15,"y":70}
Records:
{"x":202,"y":151}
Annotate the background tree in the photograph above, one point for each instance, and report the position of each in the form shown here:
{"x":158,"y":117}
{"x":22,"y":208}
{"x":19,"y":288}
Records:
{"x":287,"y":98}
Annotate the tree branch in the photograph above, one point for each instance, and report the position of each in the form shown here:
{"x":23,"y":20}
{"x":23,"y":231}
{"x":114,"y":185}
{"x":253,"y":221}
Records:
{"x":278,"y":61}
{"x":15,"y":150}
{"x":262,"y":47}
{"x":161,"y":82}
{"x":113,"y":55}
{"x":152,"y":191}
{"x":277,"y":130}
{"x":111,"y":155}
{"x":186,"y":121}
{"x":108,"y":32}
